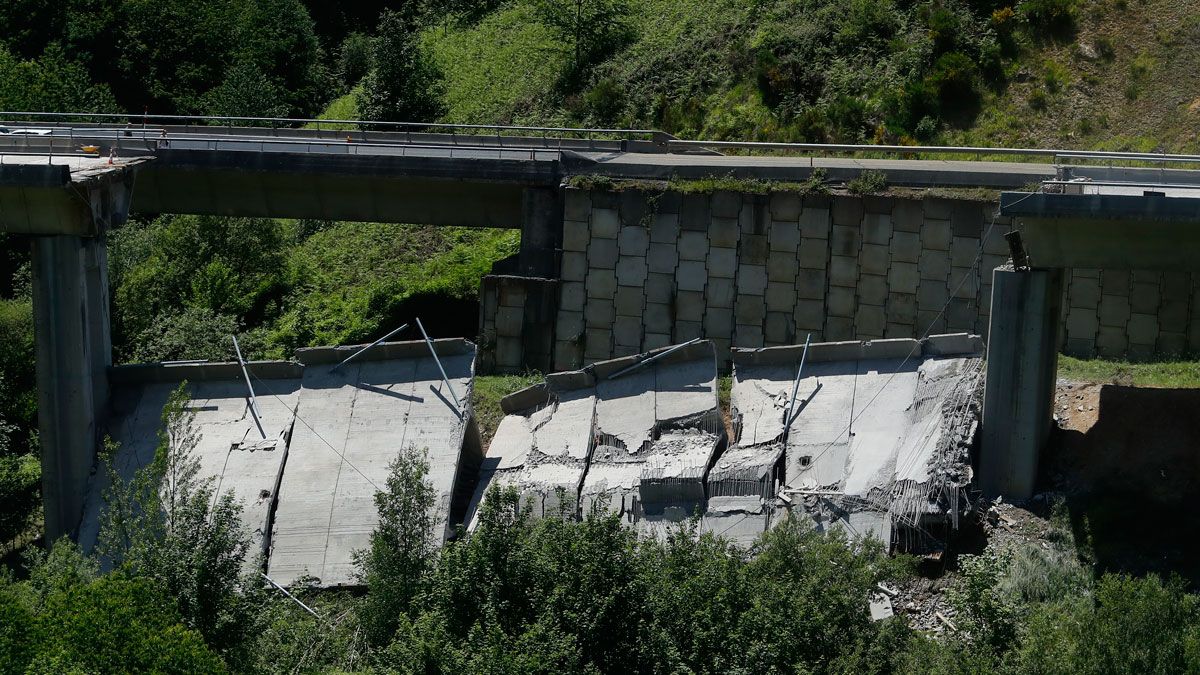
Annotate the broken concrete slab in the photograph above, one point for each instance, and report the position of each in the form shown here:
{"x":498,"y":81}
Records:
{"x":232,"y":454}
{"x":879,"y":433}
{"x":353,"y":422}
{"x":637,"y":443}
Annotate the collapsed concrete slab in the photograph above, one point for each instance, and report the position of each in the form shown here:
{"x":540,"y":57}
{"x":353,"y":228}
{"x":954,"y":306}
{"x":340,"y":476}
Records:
{"x":354,"y":421}
{"x":636,"y":443}
{"x":232,"y":453}
{"x":879,"y":437}
{"x":308,"y":490}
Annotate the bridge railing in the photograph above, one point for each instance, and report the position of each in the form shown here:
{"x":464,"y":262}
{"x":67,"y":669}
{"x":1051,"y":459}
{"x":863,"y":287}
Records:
{"x":96,"y":142}
{"x":449,"y":132}
{"x":373,"y":136}
{"x":1050,"y":155}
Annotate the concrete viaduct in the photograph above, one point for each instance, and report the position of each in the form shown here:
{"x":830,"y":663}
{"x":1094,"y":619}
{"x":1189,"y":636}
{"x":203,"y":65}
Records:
{"x":515,"y":178}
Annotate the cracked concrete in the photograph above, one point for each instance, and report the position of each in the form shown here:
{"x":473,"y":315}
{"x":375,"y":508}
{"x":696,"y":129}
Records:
{"x":880,"y":436}
{"x":638,"y":445}
{"x":308,"y":490}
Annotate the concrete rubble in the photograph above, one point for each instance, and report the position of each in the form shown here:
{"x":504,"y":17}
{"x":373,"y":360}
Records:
{"x":307,"y":491}
{"x":881,"y":432}
{"x":638,"y":444}
{"x":878,"y":443}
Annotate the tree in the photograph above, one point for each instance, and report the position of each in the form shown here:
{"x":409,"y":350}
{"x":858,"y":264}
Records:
{"x":167,"y":525}
{"x":205,"y":272}
{"x":403,"y":85}
{"x":52,"y":82}
{"x":593,"y":28}
{"x":401,"y":549}
{"x":68,"y":618}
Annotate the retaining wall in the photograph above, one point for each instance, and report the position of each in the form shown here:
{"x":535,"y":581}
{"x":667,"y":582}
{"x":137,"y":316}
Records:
{"x":642,"y":269}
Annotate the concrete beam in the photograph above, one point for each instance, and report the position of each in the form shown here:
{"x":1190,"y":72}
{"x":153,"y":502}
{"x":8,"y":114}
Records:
{"x":1021,"y":362}
{"x":1107,"y":231}
{"x":427,"y":190}
{"x":52,"y":199}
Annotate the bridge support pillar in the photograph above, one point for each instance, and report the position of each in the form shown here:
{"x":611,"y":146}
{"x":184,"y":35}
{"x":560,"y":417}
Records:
{"x":1022,"y":358}
{"x":73,"y":352}
{"x":541,"y":233}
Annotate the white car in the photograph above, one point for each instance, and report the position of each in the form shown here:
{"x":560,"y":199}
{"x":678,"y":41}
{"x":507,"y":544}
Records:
{"x":29,"y":132}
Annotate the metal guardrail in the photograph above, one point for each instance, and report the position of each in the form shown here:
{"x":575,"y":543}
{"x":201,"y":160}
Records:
{"x":367,"y":132}
{"x":296,"y":122}
{"x":678,"y":146}
{"x":64,"y":145}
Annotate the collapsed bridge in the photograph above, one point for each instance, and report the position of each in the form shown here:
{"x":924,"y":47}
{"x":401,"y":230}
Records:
{"x":878,"y":442}
{"x":329,"y":435}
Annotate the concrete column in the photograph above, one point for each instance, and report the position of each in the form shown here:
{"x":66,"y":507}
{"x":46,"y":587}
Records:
{"x":1021,"y":361}
{"x":541,"y":233}
{"x":73,"y":352}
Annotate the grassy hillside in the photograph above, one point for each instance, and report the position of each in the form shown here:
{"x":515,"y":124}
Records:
{"x":1128,"y":78}
{"x":182,"y":285}
{"x":1112,"y":74}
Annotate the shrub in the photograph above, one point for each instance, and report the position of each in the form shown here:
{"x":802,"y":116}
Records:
{"x":401,"y":548}
{"x":354,"y":59}
{"x":169,"y":525}
{"x":20,"y":489}
{"x":955,"y":77}
{"x":1132,"y":626}
{"x":869,"y":182}
{"x":403,"y":85}
{"x":1053,"y":17}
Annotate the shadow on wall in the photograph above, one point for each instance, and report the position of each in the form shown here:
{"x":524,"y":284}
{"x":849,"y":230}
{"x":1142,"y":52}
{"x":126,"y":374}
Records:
{"x":1133,"y":480}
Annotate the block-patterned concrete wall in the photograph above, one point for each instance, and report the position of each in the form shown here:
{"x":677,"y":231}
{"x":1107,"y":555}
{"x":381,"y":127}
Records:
{"x":1136,"y":313}
{"x":642,"y":269}
{"x":516,"y":323}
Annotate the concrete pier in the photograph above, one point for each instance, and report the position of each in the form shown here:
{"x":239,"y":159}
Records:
{"x":1021,"y":362}
{"x":73,"y":352}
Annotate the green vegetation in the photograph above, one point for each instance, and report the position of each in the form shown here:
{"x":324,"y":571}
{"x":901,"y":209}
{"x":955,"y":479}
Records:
{"x":556,"y":594}
{"x":816,"y":183}
{"x":182,"y":285}
{"x":244,"y":57}
{"x":486,"y":395}
{"x":868,"y":183}
{"x":1174,"y":374}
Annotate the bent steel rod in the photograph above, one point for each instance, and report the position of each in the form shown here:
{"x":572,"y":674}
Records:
{"x":364,"y":349}
{"x":457,"y":403}
{"x":656,"y":357}
{"x":787,"y":421}
{"x":293,"y":598}
{"x":253,"y":401}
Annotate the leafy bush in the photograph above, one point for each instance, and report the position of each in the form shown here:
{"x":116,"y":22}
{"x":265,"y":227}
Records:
{"x":169,"y":525}
{"x":403,"y":84}
{"x":401,"y":549}
{"x":51,"y":82}
{"x":354,"y":59}
{"x":67,"y":618}
{"x":20,"y":491}
{"x":868,"y":182}
{"x":1132,"y":626}
{"x":1053,"y":17}
{"x":203,"y":270}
